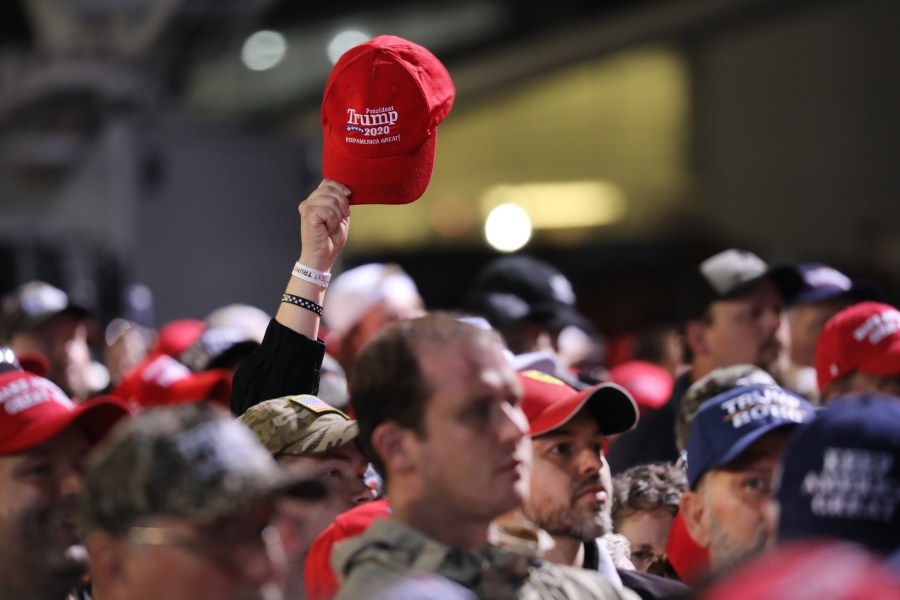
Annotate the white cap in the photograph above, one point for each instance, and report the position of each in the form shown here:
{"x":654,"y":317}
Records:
{"x":353,"y":293}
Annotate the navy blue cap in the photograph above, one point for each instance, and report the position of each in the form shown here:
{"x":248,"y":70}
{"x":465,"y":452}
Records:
{"x":822,"y":283}
{"x":840,"y":475}
{"x":728,"y":424}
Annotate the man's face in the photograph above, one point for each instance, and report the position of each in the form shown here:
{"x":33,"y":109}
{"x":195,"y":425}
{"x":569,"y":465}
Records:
{"x":735,"y":500}
{"x":342,"y":470}
{"x":230,"y":559}
{"x":38,"y":508}
{"x":571,"y":483}
{"x":63,"y":340}
{"x":745,"y":330}
{"x":807,"y":321}
{"x":473,"y":459}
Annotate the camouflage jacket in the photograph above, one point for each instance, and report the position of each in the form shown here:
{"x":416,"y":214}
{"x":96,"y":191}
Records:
{"x":389,"y":551}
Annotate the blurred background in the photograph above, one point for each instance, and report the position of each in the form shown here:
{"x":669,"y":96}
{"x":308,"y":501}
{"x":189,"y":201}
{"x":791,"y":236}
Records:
{"x":165,"y":144}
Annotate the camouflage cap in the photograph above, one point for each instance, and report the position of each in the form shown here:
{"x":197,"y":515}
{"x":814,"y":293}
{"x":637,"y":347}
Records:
{"x":299,"y":425}
{"x":714,"y":383}
{"x":191,"y":461}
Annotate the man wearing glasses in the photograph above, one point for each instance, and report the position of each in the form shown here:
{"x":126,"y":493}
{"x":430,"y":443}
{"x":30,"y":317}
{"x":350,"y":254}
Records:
{"x":182,"y":503}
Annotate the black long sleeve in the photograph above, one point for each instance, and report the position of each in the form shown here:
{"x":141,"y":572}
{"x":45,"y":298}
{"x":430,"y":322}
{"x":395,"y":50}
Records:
{"x":286,"y":363}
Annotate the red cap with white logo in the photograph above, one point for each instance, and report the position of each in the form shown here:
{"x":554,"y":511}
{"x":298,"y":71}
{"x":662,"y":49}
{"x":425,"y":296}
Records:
{"x":864,"y":337}
{"x":33,"y":410}
{"x":383,"y":102}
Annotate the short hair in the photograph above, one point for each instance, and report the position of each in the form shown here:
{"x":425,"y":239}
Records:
{"x":647,"y":488}
{"x":387,"y":383}
{"x":843,"y":385}
{"x":687,"y":353}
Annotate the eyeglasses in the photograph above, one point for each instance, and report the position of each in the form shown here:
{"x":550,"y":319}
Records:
{"x":229,"y":545}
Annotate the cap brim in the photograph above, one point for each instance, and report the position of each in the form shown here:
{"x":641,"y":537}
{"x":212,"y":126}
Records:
{"x":785,"y":277}
{"x":743,"y":444}
{"x":560,"y":316}
{"x":214,"y":385}
{"x":697,"y":294}
{"x":34,"y":362}
{"x":99,"y":415}
{"x":398,"y":179}
{"x":611,"y":405}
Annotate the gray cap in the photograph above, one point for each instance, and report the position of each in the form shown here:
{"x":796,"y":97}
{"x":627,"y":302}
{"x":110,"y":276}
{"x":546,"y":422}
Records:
{"x":191,"y":461}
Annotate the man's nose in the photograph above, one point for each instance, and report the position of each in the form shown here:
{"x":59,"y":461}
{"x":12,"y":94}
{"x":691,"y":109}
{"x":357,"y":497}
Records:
{"x":590,"y":461}
{"x":515,"y":423}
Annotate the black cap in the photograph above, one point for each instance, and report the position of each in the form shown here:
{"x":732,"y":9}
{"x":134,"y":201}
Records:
{"x":730,"y":274}
{"x":517,"y":286}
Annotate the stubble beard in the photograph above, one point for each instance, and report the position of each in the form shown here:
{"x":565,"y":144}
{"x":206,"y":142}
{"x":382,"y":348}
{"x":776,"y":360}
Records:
{"x":727,"y":552}
{"x":584,"y":523}
{"x":36,"y":567}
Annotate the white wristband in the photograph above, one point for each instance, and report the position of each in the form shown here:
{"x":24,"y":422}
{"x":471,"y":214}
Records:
{"x":311,"y":275}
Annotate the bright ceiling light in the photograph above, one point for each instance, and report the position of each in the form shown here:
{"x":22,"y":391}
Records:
{"x":263,"y":50}
{"x":507,"y":228}
{"x":564,"y":204}
{"x":344,"y":41}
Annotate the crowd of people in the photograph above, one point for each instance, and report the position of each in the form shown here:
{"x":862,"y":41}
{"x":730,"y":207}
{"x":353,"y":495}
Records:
{"x":358,"y":445}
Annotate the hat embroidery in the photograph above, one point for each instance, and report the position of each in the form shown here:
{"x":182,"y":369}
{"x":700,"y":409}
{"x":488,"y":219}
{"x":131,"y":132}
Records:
{"x":878,"y":326}
{"x":374,"y":122}
{"x":21,"y":395}
{"x":762,"y":404}
{"x":165,"y":371}
{"x":853,"y":484}
{"x":316,"y":405}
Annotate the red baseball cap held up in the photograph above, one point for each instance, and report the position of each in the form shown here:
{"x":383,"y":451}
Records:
{"x":34,"y":410}
{"x":864,"y":337}
{"x":549,"y":403}
{"x":383,"y":102}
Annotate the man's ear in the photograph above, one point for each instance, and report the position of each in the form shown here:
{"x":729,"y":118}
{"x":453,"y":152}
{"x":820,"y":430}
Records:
{"x":394,"y":445}
{"x":693,"y":511}
{"x":695,"y":337}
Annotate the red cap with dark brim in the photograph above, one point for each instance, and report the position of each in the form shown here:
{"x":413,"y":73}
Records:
{"x":549,"y":403}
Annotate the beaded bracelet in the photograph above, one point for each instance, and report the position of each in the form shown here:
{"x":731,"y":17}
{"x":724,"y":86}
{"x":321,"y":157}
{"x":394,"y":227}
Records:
{"x":302,"y":303}
{"x":301,"y":271}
